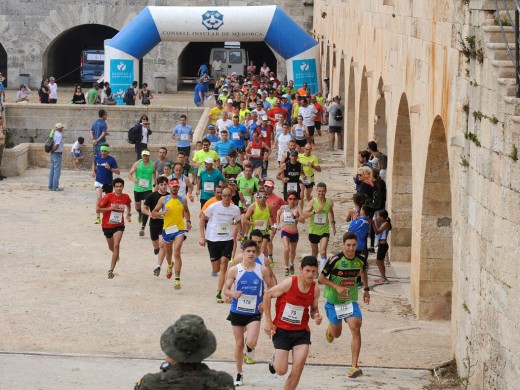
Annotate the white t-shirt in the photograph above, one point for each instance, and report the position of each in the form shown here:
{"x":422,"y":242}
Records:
{"x":145,"y":135}
{"x":283,"y":144}
{"x":54,"y":91}
{"x":220,"y":222}
{"x":217,"y":65}
{"x":223,"y":124}
{"x":75,"y":147}
{"x":308,"y":113}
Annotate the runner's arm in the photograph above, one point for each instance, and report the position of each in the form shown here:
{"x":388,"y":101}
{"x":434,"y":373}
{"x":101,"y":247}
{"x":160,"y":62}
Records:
{"x":307,"y":211}
{"x":366,"y":293}
{"x":132,"y":171}
{"x":315,"y":312}
{"x":332,"y":219}
{"x":246,"y":223}
{"x":187,"y":214}
{"x":156,"y":213}
{"x":280,"y":174}
{"x":273,"y":292}
{"x":230,"y":278}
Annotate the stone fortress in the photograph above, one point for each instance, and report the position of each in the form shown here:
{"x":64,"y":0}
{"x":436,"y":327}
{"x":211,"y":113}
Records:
{"x":433,"y":84}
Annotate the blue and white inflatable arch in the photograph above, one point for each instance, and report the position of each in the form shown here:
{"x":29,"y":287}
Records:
{"x":211,"y":24}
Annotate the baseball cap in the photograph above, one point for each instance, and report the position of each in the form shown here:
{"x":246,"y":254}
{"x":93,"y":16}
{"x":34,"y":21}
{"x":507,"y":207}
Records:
{"x":272,"y":79}
{"x":145,"y":152}
{"x":337,"y":97}
{"x":232,"y":181}
{"x":293,"y":153}
{"x":249,"y":83}
{"x":285,"y":96}
{"x":59,"y":126}
{"x":174,"y":182}
{"x":219,"y":101}
{"x":224,"y":89}
{"x":211,"y":126}
{"x":209,"y":160}
{"x":265,"y":117}
{"x":230,"y":100}
{"x":269,"y":183}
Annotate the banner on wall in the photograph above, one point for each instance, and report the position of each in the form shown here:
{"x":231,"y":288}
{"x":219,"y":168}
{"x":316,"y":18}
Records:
{"x":305,"y":71}
{"x":121,"y":78}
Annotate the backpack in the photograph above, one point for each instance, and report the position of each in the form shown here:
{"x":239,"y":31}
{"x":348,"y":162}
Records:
{"x":338,"y":115}
{"x":127,"y":98}
{"x":49,"y":142}
{"x":135,"y":134}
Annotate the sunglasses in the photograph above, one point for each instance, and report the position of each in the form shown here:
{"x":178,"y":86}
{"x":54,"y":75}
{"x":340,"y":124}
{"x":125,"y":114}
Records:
{"x":261,"y":196}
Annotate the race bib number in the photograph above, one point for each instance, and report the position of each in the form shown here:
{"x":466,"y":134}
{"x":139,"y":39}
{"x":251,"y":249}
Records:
{"x":209,"y":186}
{"x":255,"y":152}
{"x":171,"y":229}
{"x":263,"y":226}
{"x":235,"y":136}
{"x":319,"y":219}
{"x":115,"y":217}
{"x":223,"y":160}
{"x":223,"y":229}
{"x":247,"y":303}
{"x":288,"y":217}
{"x":248,"y":200}
{"x":264,"y":134}
{"x":185,"y":137}
{"x":299,"y":134}
{"x":306,"y":180}
{"x":292,"y":187}
{"x":292,"y":314}
{"x":344,"y":311}
{"x":144,"y":183}
{"x":212,"y":145}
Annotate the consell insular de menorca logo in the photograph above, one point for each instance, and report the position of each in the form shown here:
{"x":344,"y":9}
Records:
{"x":212,"y":20}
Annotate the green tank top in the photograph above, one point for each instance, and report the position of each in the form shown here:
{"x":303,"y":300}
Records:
{"x":144,"y":176}
{"x":343,"y":272}
{"x":319,"y":223}
{"x":260,"y":215}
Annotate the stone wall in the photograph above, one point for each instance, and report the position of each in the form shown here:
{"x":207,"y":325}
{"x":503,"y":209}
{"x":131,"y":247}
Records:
{"x":453,"y":179}
{"x":28,"y":28}
{"x":32,"y":122}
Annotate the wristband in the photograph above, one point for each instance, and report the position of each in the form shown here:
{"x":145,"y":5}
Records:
{"x":366,"y":289}
{"x":188,"y":221}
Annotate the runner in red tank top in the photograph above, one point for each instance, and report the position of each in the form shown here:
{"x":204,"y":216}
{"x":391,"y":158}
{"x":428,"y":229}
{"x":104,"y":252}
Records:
{"x":290,"y":328}
{"x":257,"y":151}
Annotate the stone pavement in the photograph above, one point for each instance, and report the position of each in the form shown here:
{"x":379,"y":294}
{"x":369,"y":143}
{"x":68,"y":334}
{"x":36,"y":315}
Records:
{"x":26,"y":371}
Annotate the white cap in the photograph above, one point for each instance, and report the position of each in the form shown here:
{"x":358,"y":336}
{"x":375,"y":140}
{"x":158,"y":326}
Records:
{"x":209,"y":160}
{"x":264,"y":117}
{"x":230,"y":100}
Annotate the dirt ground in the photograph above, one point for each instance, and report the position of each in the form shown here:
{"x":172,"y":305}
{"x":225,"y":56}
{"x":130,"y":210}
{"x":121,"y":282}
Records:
{"x":55,"y":296}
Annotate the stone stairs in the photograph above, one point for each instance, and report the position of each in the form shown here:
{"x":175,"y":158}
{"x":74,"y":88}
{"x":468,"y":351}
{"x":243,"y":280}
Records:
{"x":498,"y":54}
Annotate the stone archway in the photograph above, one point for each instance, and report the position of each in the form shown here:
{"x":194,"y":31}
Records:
{"x":62,"y":57}
{"x":380,"y":127}
{"x":349,"y":130}
{"x":363,"y":126}
{"x":3,"y":64}
{"x":400,"y":172}
{"x":431,"y":273}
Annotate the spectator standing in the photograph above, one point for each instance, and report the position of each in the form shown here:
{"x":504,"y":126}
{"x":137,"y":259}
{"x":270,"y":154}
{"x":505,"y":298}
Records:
{"x":53,"y":87}
{"x":145,"y":95}
{"x":98,"y":132}
{"x":183,"y":134}
{"x":2,"y":142}
{"x":44,"y":91}
{"x":131,"y":94}
{"x":56,"y":158}
{"x":216,"y":67}
{"x":144,"y":125}
{"x":23,"y":94}
{"x":335,"y":111}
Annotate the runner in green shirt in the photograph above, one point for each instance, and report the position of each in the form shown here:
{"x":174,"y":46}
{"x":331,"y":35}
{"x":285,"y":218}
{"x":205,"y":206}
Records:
{"x":143,"y":175}
{"x":341,"y":292}
{"x":247,"y":186}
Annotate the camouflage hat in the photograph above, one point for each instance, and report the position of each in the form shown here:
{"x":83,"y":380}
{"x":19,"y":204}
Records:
{"x":188,"y":340}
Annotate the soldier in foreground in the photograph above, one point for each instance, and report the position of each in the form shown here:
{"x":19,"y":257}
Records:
{"x":186,"y":343}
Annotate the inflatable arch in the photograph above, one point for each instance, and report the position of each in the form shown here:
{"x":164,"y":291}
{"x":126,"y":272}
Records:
{"x":211,"y":24}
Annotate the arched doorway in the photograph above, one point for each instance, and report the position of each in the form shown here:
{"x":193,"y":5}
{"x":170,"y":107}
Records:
{"x":349,"y":131}
{"x":400,"y":172}
{"x":3,"y":64}
{"x":362,"y":130}
{"x":431,"y":273}
{"x":380,"y":129}
{"x":62,"y":57}
{"x":195,"y":54}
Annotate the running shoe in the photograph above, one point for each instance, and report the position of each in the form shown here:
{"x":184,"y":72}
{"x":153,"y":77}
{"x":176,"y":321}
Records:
{"x":110,"y":274}
{"x":354,"y":372}
{"x":97,"y":221}
{"x":141,"y":232}
{"x":218,"y":296}
{"x":271,"y":261}
{"x":271,"y":365}
{"x":157,"y":271}
{"x":240,"y":380}
{"x":214,"y":273}
{"x":177,"y":285}
{"x":169,"y":271}
{"x":328,"y":336}
{"x":249,"y":357}
{"x":286,"y":271}
{"x":291,"y":269}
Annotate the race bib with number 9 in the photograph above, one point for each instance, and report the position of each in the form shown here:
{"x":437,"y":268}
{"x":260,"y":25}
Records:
{"x":292,"y":314}
{"x":115,"y":217}
{"x":319,"y":219}
{"x":292,"y":187}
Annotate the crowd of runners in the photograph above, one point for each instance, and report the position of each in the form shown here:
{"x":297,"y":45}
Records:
{"x":242,"y":211}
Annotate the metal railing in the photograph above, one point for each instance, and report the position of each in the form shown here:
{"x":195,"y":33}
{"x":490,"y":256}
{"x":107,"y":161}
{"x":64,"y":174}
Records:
{"x":510,"y":20}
